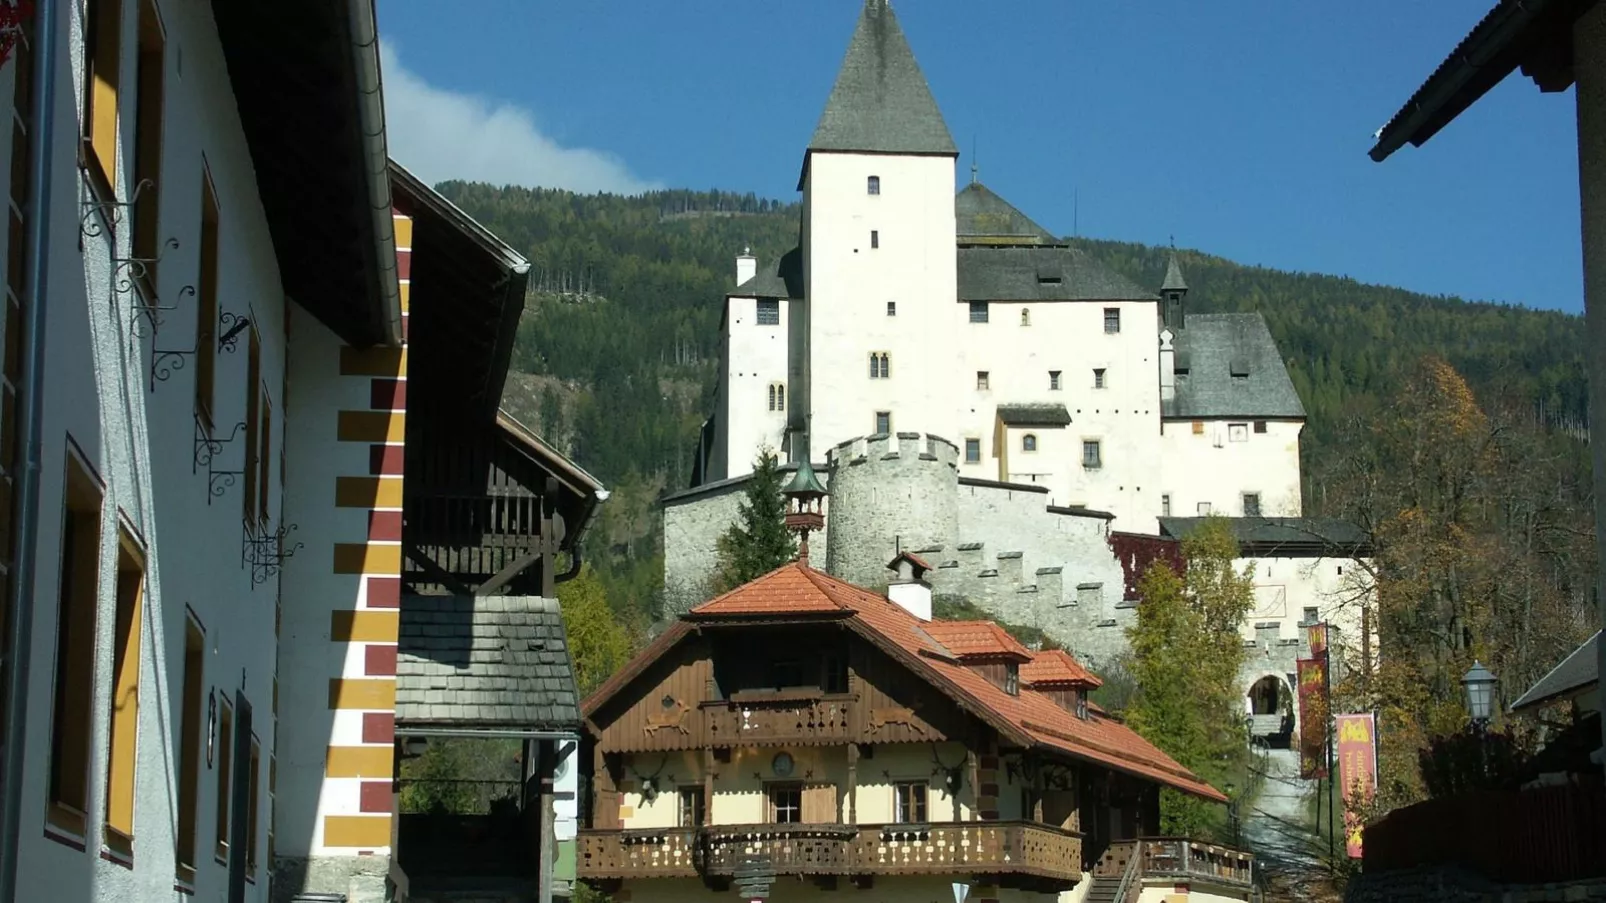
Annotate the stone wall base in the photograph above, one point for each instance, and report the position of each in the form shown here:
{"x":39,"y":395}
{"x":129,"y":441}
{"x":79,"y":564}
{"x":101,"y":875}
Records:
{"x":362,"y":879}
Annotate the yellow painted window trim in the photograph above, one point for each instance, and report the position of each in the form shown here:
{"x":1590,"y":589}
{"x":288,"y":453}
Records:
{"x":123,"y":736}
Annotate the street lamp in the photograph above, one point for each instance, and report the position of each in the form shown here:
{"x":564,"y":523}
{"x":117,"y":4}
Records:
{"x":1479,"y":684}
{"x":1232,"y":812}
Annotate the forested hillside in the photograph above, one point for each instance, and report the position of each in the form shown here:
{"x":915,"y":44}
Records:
{"x":616,"y":352}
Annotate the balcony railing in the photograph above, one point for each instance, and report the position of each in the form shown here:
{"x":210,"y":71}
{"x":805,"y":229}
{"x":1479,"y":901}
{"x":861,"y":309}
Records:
{"x":993,"y":847}
{"x":1180,"y":857}
{"x":782,"y":718}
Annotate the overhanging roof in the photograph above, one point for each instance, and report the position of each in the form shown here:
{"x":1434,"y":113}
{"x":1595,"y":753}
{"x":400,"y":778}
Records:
{"x":1535,"y":35}
{"x":1576,"y":673}
{"x":579,"y":492}
{"x":305,"y":78}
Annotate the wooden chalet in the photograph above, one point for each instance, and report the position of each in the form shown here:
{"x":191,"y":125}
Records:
{"x":800,"y":735}
{"x":491,"y":521}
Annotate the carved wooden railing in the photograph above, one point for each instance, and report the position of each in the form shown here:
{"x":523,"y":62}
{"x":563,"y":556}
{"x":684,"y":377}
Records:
{"x":781,"y":719}
{"x":1179,"y":856}
{"x":993,"y":847}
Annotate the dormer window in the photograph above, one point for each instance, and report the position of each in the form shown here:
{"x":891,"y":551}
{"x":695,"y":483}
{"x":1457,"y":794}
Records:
{"x":873,"y":185}
{"x":1081,"y":704}
{"x":1012,"y":679}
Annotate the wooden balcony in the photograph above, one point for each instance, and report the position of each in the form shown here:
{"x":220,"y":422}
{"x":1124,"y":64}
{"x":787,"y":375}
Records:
{"x":1005,"y":848}
{"x":1178,"y":856}
{"x":804,"y":718}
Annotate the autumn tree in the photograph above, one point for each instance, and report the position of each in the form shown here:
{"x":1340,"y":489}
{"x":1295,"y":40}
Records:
{"x":758,"y":542}
{"x":598,"y":642}
{"x":1185,"y":657}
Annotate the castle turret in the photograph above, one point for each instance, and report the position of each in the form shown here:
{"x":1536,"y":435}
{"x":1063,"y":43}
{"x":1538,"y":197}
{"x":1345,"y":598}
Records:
{"x":890,"y":494}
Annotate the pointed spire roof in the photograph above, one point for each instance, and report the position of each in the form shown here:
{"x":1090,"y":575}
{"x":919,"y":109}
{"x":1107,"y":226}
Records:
{"x":881,"y":102}
{"x":1173,"y":276}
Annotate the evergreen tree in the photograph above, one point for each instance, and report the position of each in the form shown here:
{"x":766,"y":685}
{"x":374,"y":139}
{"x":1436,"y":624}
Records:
{"x":758,"y":542}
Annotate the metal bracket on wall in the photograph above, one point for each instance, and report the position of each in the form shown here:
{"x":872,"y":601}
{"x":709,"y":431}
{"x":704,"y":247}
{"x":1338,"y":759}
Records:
{"x":102,"y":216}
{"x":264,"y":551}
{"x":133,"y":276}
{"x":207,"y":448}
{"x":230,"y":326}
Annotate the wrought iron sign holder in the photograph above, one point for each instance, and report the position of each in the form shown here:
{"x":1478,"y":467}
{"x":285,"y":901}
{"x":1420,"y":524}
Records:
{"x":164,"y":363}
{"x":207,"y":449}
{"x":265,"y":551}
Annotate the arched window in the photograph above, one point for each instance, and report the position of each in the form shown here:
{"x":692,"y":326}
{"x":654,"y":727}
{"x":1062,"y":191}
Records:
{"x":777,"y":396}
{"x":873,"y":186}
{"x":1028,"y":442}
{"x":1025,"y":316}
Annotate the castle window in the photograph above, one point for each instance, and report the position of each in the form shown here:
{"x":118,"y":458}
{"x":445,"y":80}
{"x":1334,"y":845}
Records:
{"x":1251,"y":504}
{"x":1311,"y":616}
{"x":1203,"y":509}
{"x":1198,"y":427}
{"x":1025,"y":316}
{"x":1098,"y":378}
{"x":777,"y":396}
{"x":1112,"y":320}
{"x":892,"y":308}
{"x":873,"y":185}
{"x":1260,"y":426}
{"x":875,"y":239}
{"x":1165,"y":504}
{"x":769,"y":313}
{"x":1054,"y":380}
{"x":880,"y":365}
{"x":983,"y":380}
{"x":1238,"y":432}
{"x":1028,"y":442}
{"x":883,"y":423}
{"x":972,"y":451}
{"x":1092,"y":457}
{"x":978,"y":311}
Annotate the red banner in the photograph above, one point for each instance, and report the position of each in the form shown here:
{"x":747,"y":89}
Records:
{"x":1357,"y":772}
{"x":1318,"y":640}
{"x":1312,"y":674}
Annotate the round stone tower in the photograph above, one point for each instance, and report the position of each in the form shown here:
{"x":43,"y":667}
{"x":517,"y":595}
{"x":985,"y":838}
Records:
{"x":890,"y":493}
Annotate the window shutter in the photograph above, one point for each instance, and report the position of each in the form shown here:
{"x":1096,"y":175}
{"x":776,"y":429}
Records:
{"x":819,"y":804}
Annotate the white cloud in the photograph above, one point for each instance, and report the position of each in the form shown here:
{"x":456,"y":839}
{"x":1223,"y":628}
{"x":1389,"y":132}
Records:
{"x":441,"y":134}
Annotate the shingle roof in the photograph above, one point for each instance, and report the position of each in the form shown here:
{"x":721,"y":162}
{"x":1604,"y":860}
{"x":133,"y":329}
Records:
{"x":1267,"y":536}
{"x":982,"y":217}
{"x":1050,"y":273}
{"x":1211,"y":348}
{"x":783,"y":280}
{"x":1056,"y":666}
{"x":1031,"y":717}
{"x":1173,"y":276}
{"x":1578,"y":671}
{"x":971,"y":639}
{"x":478,"y":662}
{"x":1037,"y":414}
{"x":881,"y":102}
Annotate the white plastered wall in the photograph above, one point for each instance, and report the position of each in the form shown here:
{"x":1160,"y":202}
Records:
{"x":754,"y":358}
{"x":1216,"y":467}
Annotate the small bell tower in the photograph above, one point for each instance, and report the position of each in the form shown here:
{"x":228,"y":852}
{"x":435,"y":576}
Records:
{"x":1174,"y":295}
{"x":805,"y":510}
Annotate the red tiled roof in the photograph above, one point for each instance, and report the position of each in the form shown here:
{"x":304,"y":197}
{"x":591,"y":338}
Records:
{"x":1031,"y":717}
{"x":976,"y":638}
{"x":921,"y":562}
{"x":1056,"y":666}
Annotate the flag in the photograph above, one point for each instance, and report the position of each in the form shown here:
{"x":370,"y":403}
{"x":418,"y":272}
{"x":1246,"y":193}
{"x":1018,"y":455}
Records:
{"x":1312,"y":675}
{"x":1357,"y":772}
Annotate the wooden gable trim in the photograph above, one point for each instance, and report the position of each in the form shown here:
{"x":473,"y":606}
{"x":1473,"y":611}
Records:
{"x":1111,"y":754}
{"x":644,"y":659}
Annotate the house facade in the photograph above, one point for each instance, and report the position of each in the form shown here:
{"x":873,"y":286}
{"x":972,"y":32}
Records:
{"x":801,"y":737}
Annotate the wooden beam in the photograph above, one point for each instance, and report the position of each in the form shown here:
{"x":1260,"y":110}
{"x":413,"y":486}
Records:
{"x":436,"y":572}
{"x":505,"y":576}
{"x":853,"y":784}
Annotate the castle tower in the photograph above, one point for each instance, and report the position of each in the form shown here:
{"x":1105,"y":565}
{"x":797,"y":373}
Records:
{"x":1173,"y":296}
{"x":890,"y":494}
{"x":878,"y":248}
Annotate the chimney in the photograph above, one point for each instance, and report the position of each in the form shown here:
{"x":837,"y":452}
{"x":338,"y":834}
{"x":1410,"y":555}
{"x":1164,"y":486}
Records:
{"x":1168,"y":366}
{"x":909,"y":589}
{"x":746,"y":266}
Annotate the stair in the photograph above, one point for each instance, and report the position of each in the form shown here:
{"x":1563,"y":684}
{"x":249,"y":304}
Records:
{"x":1102,"y":890}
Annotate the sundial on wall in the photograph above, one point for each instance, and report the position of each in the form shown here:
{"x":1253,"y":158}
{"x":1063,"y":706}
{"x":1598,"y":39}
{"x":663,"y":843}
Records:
{"x":782,"y":765}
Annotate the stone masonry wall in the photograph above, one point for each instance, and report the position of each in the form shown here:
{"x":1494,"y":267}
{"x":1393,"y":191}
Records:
{"x":890,"y":493}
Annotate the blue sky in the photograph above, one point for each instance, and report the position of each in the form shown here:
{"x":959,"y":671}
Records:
{"x":1239,"y":126}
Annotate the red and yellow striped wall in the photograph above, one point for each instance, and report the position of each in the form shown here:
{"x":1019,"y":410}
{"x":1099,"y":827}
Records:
{"x":358,"y":768}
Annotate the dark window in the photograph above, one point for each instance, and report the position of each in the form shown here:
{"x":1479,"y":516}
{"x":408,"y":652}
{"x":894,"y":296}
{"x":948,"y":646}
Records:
{"x":769,"y":313}
{"x":909,"y":802}
{"x":972,"y":451}
{"x":875,"y":238}
{"x":691,"y":807}
{"x":777,"y":396}
{"x":880,"y":365}
{"x":1098,"y":377}
{"x":1165,"y":504}
{"x":883,"y":423}
{"x":983,"y":381}
{"x":1028,"y":442}
{"x":786,"y":674}
{"x":978,"y":311}
{"x":1090,"y":454}
{"x":1112,"y":320}
{"x":873,"y":186}
{"x":1310,"y":616}
{"x":786,"y":803}
{"x":1260,"y":426}
{"x":834,"y":673}
{"x":1081,"y":704}
{"x":1012,"y":679}
{"x":1025,"y":317}
{"x":1054,"y":380}
{"x":1251,"y":504}
{"x":892,"y":308}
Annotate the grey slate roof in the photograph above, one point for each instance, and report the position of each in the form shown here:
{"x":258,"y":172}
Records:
{"x":1173,"y":277}
{"x":1291,"y":536}
{"x":881,"y":102}
{"x":1577,"y":672}
{"x":1038,"y":414}
{"x":1041,"y":274}
{"x":1233,"y":369}
{"x":783,"y":280}
{"x":485,"y":662}
{"x":984,"y":217}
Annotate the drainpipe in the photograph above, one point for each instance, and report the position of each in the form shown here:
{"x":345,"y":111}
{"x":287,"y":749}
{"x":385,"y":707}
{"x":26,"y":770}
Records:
{"x":575,"y":559}
{"x":20,"y":633}
{"x":371,"y":115}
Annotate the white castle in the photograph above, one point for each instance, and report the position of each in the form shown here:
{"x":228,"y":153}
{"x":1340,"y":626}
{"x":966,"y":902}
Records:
{"x":1007,"y":406}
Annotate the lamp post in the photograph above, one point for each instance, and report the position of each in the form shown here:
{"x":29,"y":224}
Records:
{"x":1232,"y":812}
{"x":1479,"y":684}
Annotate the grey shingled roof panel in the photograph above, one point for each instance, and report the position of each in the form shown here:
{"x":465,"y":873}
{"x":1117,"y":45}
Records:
{"x":493,"y":661}
{"x":981,"y":213}
{"x":1011,"y":274}
{"x":1578,"y":671}
{"x":782,"y":280}
{"x":1173,"y":276}
{"x":881,"y":102}
{"x":1034,"y":414}
{"x":1214,"y":345}
{"x":1273,"y":531}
